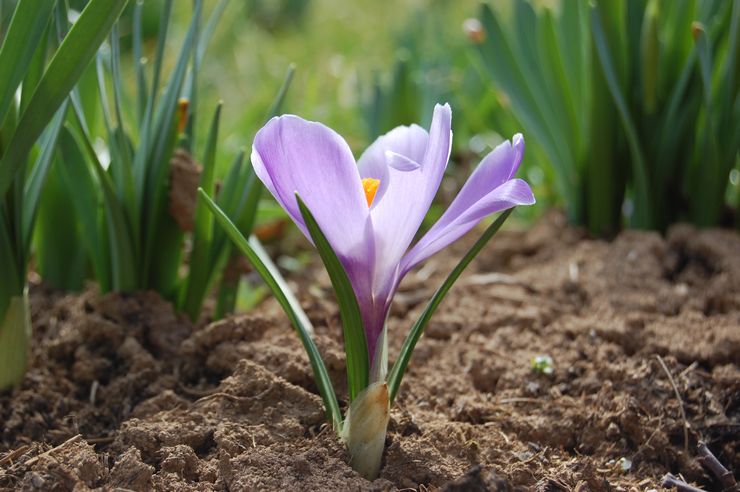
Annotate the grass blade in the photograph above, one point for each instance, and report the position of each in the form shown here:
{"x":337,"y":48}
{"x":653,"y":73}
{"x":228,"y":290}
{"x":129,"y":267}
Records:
{"x":75,"y":174}
{"x":294,"y":312}
{"x":122,"y":271}
{"x":67,"y":65}
{"x":200,"y":260}
{"x":33,"y":186}
{"x":156,"y":158}
{"x":25,"y":32}
{"x":137,"y":37}
{"x":642,"y":217}
{"x":407,"y":349}
{"x":353,"y":328}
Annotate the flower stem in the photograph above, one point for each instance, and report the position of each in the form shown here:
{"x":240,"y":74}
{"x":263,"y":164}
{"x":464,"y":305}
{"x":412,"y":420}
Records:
{"x":15,"y":339}
{"x":365,"y":427}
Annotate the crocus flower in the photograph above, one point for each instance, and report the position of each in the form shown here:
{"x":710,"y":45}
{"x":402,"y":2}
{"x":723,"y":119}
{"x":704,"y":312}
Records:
{"x":370,"y":210}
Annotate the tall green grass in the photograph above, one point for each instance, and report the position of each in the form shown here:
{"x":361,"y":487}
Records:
{"x":132,"y":183}
{"x":634,"y":104}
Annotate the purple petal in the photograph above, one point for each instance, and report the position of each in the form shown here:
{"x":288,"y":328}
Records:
{"x":401,"y":162}
{"x":291,"y":155}
{"x":408,"y":142}
{"x":398,"y":213}
{"x":410,"y":164}
{"x":489,"y":189}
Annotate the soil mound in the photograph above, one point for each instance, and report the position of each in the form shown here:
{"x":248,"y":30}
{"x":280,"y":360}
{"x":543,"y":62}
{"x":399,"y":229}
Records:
{"x":643,"y":334}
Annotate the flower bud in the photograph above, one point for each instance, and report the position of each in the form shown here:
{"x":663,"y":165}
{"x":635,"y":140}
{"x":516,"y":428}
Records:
{"x":474,"y":30}
{"x":182,"y":114}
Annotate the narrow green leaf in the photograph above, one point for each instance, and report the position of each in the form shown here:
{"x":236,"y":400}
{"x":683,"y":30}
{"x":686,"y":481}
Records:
{"x":157,"y":159}
{"x":58,"y":257}
{"x":123,"y":268}
{"x":83,"y":192}
{"x":407,"y":349}
{"x":287,"y":301}
{"x":35,"y":70}
{"x":68,"y":63}
{"x":355,"y":345}
{"x":527,"y":100}
{"x":208,"y":30}
{"x":201,"y":263}
{"x":25,"y":33}
{"x":242,"y":205}
{"x":13,"y":280}
{"x":642,"y":217}
{"x":164,"y":23}
{"x":711,"y":178}
{"x":137,"y":38}
{"x":33,"y":186}
{"x":277,"y":103}
{"x":143,"y":151}
{"x":649,"y":53}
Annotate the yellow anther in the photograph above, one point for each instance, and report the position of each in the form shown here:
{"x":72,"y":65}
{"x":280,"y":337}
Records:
{"x":370,"y":185}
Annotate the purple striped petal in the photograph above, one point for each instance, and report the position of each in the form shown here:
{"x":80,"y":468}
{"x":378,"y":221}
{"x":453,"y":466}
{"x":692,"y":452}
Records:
{"x":403,"y":143}
{"x":489,"y":189}
{"x":291,"y":155}
{"x":410,"y":165}
{"x":399,"y":211}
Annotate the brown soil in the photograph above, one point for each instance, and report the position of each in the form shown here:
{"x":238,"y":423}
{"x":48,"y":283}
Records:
{"x":125,"y":394}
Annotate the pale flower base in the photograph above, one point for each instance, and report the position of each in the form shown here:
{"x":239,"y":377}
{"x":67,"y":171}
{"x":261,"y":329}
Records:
{"x":365,"y":427}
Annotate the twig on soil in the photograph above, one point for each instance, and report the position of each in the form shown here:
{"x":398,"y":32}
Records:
{"x":94,"y":391}
{"x":66,"y":443}
{"x":680,"y":404}
{"x":100,"y":440}
{"x":710,"y":461}
{"x":8,"y":458}
{"x":644,"y":446}
{"x":519,"y":400}
{"x":235,"y":398}
{"x":218,"y":395}
{"x":670,"y":480}
{"x":690,"y":368}
{"x":196,"y":392}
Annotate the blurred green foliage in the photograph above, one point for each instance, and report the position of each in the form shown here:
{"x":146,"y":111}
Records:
{"x":127,"y":164}
{"x":634,"y":104}
{"x":41,"y":59}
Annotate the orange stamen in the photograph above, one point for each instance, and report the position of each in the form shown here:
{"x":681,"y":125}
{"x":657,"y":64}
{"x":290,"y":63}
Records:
{"x":370,"y":185}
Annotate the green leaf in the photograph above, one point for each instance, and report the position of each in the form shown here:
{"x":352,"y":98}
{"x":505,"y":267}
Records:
{"x":141,"y":90}
{"x":35,"y":69}
{"x":13,"y":281}
{"x":355,"y":345}
{"x":201,"y":263}
{"x":58,"y":257}
{"x":287,"y":301}
{"x":642,"y":217}
{"x":67,"y":65}
{"x":33,"y":186}
{"x":523,"y":89}
{"x":154,"y":187}
{"x":277,"y":103}
{"x":84,"y":194}
{"x":123,"y":268}
{"x":407,"y":349}
{"x":25,"y":33}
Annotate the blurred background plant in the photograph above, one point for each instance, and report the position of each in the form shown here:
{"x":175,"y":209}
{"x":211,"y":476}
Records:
{"x":41,"y":58}
{"x":633,"y":104}
{"x":135,"y":222}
